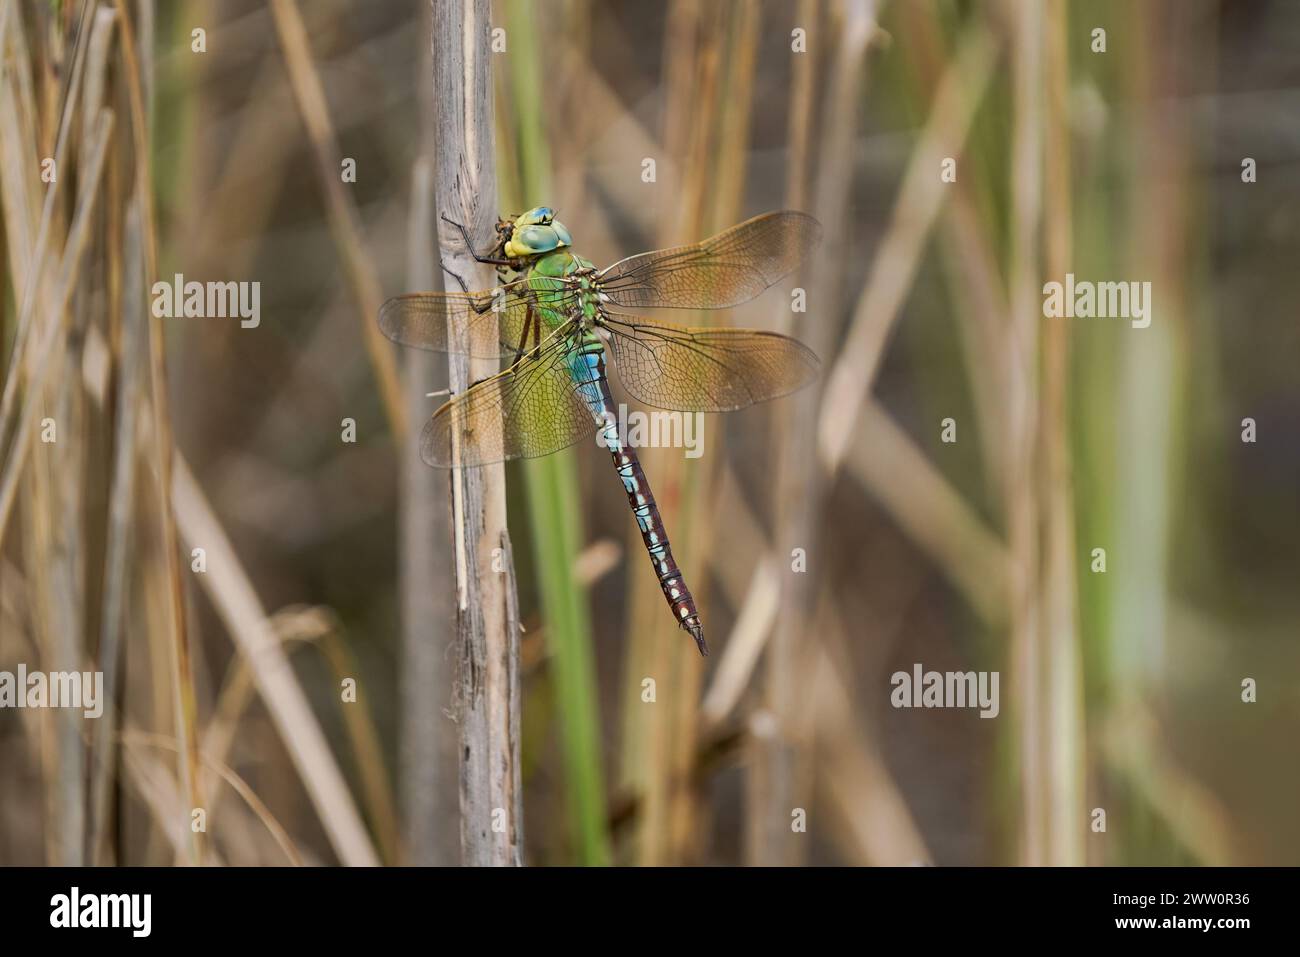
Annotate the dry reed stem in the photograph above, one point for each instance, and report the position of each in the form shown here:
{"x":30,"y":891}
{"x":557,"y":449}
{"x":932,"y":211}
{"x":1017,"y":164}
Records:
{"x":29,"y":281}
{"x":156,"y":787}
{"x":45,"y":351}
{"x":238,"y":687}
{"x":237,"y":604}
{"x":759,"y":607}
{"x":799,"y":120}
{"x":981,"y":314}
{"x":981,"y":309}
{"x":487,"y":692}
{"x":184,"y":703}
{"x":40,"y":353}
{"x":894,"y":267}
{"x":237,"y":784}
{"x":39,"y":541}
{"x":727,"y":141}
{"x":708,"y":64}
{"x":744,"y":646}
{"x":119,"y":531}
{"x":126,"y":345}
{"x":345,"y":223}
{"x":254,"y":171}
{"x":646,"y":767}
{"x":741,"y":533}
{"x":780,"y":775}
{"x":596,"y":561}
{"x":317,"y":627}
{"x":367,"y":748}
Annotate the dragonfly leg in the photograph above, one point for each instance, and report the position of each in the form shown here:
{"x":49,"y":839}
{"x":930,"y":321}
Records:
{"x":469,"y":244}
{"x":529,"y":320}
{"x":453,"y":274}
{"x":480,"y":307}
{"x":537,"y":336}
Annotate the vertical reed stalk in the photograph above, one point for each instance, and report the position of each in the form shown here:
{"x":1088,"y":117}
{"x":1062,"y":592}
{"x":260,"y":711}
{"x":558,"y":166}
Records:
{"x":709,"y":55}
{"x":488,"y":685}
{"x":779,"y":778}
{"x":726,"y":140}
{"x":656,"y":732}
{"x":345,"y":222}
{"x":118,"y":546}
{"x":1152,"y":396}
{"x":184,"y":703}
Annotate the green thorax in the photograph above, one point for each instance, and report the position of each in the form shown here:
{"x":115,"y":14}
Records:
{"x":551,"y":277}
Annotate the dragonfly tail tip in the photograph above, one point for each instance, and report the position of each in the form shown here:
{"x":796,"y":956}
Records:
{"x":697,"y":632}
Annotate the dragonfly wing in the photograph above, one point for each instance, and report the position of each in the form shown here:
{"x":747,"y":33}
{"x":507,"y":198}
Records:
{"x":488,"y":324}
{"x":530,"y":409}
{"x":724,"y":270}
{"x":706,"y":370}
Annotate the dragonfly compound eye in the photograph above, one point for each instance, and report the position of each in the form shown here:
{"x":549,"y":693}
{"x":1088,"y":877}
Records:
{"x":532,"y":240}
{"x":537,"y":216}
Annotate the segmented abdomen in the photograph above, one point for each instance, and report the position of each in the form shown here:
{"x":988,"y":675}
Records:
{"x":588,"y":370}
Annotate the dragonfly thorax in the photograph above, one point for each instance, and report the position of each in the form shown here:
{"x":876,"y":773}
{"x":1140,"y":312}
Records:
{"x":563,"y":287}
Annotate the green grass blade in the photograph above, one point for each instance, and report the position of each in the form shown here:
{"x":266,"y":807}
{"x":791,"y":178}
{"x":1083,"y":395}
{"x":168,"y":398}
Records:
{"x":552,"y":483}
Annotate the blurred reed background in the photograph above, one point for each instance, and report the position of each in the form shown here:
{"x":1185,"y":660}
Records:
{"x":328,"y":560}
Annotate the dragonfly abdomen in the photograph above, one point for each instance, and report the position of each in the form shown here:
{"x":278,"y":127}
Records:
{"x":589,"y":373}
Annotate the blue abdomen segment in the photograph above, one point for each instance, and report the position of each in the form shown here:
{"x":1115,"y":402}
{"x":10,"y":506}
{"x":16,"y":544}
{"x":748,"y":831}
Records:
{"x":587,"y":366}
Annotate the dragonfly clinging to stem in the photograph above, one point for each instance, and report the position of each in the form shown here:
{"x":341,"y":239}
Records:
{"x":559,"y":320}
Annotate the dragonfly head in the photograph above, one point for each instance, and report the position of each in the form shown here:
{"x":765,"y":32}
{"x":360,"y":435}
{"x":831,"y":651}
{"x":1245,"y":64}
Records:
{"x":533,"y":233}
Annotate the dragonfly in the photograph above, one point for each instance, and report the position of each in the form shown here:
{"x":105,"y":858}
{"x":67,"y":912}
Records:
{"x":559,"y":321}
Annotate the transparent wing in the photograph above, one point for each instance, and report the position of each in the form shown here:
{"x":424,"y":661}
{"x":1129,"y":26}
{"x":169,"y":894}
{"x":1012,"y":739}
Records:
{"x":725,"y":270}
{"x":493,"y":322}
{"x":530,"y":409}
{"x":706,"y":370}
